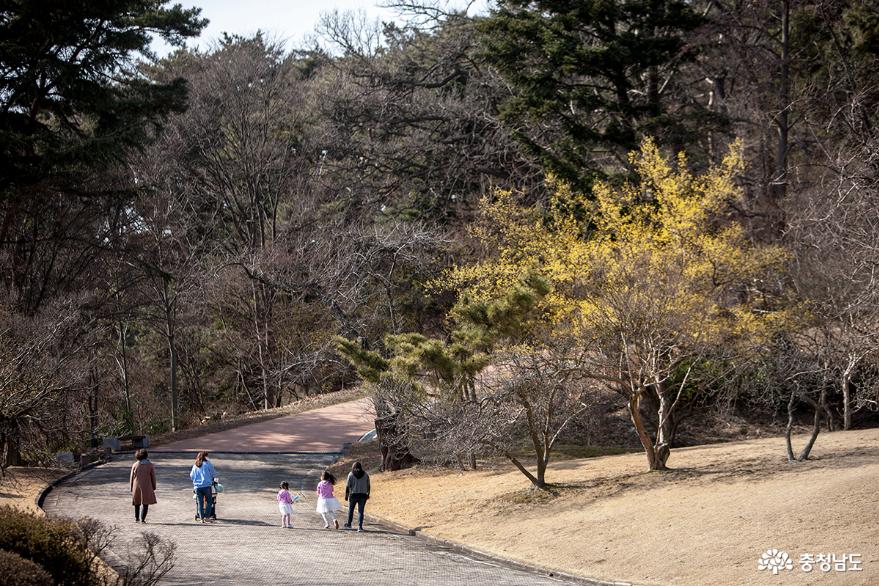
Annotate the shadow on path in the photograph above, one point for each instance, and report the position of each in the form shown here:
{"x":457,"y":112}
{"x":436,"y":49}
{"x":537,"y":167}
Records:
{"x":246,"y":545}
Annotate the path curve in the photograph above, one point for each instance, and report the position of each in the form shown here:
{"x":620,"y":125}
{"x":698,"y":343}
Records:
{"x":321,"y":430}
{"x":246,"y":545}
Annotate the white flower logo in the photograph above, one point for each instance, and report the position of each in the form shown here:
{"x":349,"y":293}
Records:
{"x":775,"y":561}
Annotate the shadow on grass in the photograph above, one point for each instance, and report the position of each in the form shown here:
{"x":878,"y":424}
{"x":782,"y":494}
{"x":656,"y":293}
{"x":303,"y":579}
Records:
{"x":732,"y":471}
{"x":564,"y":457}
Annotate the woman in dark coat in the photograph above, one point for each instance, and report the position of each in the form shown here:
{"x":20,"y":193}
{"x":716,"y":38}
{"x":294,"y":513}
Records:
{"x":143,"y":485}
{"x":356,"y":493}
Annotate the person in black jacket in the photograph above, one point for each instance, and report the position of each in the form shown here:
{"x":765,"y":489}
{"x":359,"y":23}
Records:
{"x":356,"y":493}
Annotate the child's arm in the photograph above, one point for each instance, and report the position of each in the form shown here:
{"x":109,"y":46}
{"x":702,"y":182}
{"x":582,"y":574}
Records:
{"x":153,"y":476}
{"x":131,"y":477}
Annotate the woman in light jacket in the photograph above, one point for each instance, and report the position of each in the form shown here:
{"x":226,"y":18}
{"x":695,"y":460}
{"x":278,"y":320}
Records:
{"x":143,"y":485}
{"x":202,"y":475}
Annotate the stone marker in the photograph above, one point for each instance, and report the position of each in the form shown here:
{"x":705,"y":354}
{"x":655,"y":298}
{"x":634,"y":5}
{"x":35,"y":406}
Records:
{"x":113,"y":443}
{"x":65,"y":457}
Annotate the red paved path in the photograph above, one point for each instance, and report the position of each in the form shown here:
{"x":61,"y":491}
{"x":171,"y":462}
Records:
{"x":320,"y":430}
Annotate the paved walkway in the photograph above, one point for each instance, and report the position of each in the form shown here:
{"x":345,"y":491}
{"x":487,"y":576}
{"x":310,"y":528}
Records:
{"x":246,"y":545}
{"x":320,"y":430}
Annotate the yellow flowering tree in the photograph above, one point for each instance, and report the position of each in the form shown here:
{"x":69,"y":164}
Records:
{"x":651,"y":278}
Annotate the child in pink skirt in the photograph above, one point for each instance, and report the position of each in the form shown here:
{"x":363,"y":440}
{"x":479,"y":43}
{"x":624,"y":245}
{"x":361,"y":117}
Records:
{"x":285,"y":505}
{"x":327,"y":504}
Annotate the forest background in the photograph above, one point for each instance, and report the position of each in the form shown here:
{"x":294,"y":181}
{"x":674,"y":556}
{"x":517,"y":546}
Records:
{"x":486,"y":215}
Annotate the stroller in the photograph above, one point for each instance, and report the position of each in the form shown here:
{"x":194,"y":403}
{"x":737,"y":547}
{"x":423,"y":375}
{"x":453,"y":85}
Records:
{"x":216,"y":488}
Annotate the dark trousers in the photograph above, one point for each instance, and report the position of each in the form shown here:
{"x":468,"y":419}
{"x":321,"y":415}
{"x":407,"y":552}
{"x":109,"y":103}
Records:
{"x":205,"y":501}
{"x":138,"y":516}
{"x":360,"y":501}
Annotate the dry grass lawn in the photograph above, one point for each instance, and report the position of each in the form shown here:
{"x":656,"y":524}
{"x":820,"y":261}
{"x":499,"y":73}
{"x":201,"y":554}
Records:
{"x":20,"y":486}
{"x":706,"y":522}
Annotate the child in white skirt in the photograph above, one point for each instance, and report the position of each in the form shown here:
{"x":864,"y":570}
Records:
{"x":285,"y":505}
{"x":327,"y":504}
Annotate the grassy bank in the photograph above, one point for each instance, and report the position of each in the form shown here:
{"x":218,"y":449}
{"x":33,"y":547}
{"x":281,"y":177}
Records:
{"x":20,"y":486}
{"x":705,"y":522}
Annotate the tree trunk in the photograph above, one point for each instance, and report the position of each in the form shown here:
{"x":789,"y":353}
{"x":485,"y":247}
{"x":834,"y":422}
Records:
{"x":536,"y":481}
{"x":471,"y":395}
{"x":542,"y":461}
{"x":170,"y":308}
{"x":846,"y":399}
{"x":93,"y":419}
{"x":783,"y":121}
{"x":539,"y":441}
{"x":788,"y":430}
{"x":93,"y":402}
{"x":264,"y":378}
{"x":394,"y":450}
{"x":261,"y":345}
{"x":653,"y":463}
{"x":777,"y":133}
{"x":717,"y":104}
{"x":123,"y":367}
{"x":172,"y":350}
{"x":816,"y":426}
{"x":11,"y":451}
{"x":471,"y":390}
{"x":662,"y":447}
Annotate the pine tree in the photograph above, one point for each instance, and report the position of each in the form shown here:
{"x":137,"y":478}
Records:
{"x":591,"y":78}
{"x":71,"y":94}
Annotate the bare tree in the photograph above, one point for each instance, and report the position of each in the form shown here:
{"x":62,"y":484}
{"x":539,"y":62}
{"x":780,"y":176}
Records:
{"x":412,"y":129}
{"x":166,"y":247}
{"x":539,"y":396}
{"x":148,"y":559}
{"x":834,"y":234}
{"x":43,"y":369}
